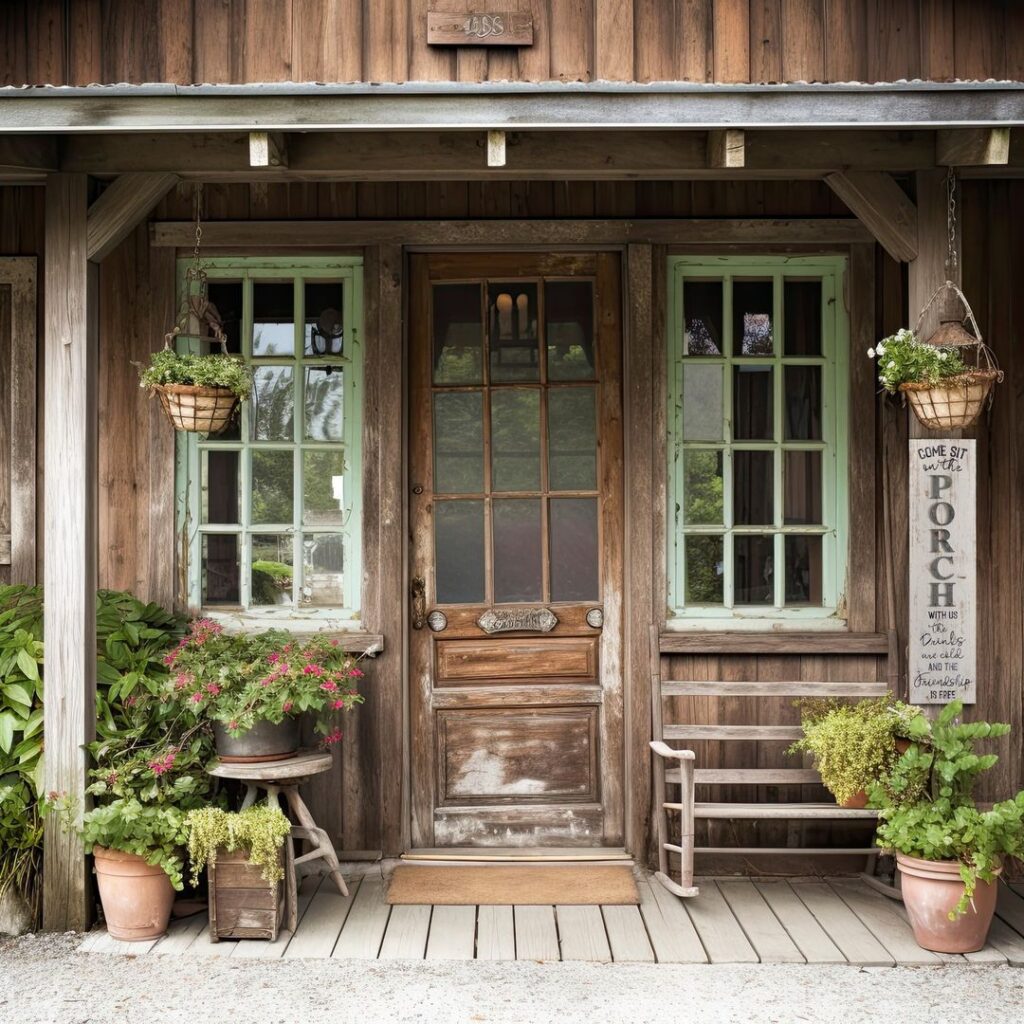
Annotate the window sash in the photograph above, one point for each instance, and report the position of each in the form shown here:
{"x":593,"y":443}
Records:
{"x":348,"y":272}
{"x":832,"y":445}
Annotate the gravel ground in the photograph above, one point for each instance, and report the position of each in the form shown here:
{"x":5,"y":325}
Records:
{"x":44,"y":979}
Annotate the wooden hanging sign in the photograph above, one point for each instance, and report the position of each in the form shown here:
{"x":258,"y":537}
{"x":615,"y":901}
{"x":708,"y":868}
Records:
{"x":943,"y":572}
{"x":479,"y":28}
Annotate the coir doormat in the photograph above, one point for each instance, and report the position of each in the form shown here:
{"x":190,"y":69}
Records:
{"x":507,"y":884}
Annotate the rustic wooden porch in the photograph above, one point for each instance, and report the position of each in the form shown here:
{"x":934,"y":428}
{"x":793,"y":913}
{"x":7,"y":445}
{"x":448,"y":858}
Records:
{"x":734,"y":920}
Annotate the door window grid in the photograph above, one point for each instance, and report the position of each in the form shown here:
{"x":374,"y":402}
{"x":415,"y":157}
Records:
{"x":304,"y":539}
{"x":689,"y":541}
{"x":486,"y":386}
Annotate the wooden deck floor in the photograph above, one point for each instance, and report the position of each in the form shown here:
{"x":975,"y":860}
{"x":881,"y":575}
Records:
{"x":835,"y":920}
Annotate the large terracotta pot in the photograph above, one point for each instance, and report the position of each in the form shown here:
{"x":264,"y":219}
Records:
{"x":931,"y":889}
{"x":265,"y":741}
{"x":137,"y":897}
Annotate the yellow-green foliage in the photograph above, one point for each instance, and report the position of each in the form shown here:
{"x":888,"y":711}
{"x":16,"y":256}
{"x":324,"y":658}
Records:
{"x":853,"y":744}
{"x":260,"y":830}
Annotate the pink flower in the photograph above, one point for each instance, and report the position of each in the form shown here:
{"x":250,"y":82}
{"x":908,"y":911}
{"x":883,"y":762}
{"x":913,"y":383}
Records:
{"x":334,"y":643}
{"x":183,"y":679}
{"x":329,"y":686}
{"x":232,"y":724}
{"x":169,"y":659}
{"x":355,"y":673}
{"x":162,"y":764}
{"x":130,"y":702}
{"x":287,"y":706}
{"x":196,"y":697}
{"x":273,"y":657}
{"x":334,"y":737}
{"x":213,"y":689}
{"x":338,"y":705}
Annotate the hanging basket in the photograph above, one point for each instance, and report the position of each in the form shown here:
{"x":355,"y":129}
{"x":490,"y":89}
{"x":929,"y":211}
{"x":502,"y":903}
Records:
{"x":200,"y":410}
{"x":956,"y":402}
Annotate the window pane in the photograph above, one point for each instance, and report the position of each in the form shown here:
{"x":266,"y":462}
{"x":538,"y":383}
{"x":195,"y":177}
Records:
{"x":458,"y":334}
{"x":802,"y":304}
{"x":704,"y":570}
{"x":226,"y":297}
{"x":569,"y":314}
{"x":273,"y":318}
{"x":515,"y":439}
{"x":702,"y":486}
{"x":219,"y":569}
{"x":513,"y":336}
{"x":272,"y":409}
{"x":272,"y":569}
{"x":753,"y":569}
{"x":458,"y":442}
{"x":703,"y":402}
{"x":323,"y":333}
{"x":803,"y":570}
{"x":518,"y":575}
{"x":573,"y":540}
{"x":323,"y":562}
{"x":572,"y":439}
{"x":272,"y":486}
{"x":803,"y":403}
{"x":752,"y":490}
{"x":801,"y":481}
{"x":753,"y":317}
{"x":702,"y":314}
{"x":459,"y":551}
{"x":752,"y":403}
{"x":323,"y":496}
{"x":324,"y":403}
{"x":221,"y":487}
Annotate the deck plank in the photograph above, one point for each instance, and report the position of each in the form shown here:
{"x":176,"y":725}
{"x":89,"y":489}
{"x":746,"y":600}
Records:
{"x":810,"y":938}
{"x":364,"y":927}
{"x":1004,"y":941}
{"x":495,"y":933}
{"x":887,"y":920}
{"x":672,"y":934}
{"x":406,"y":935}
{"x":581,"y":934}
{"x":322,"y":923}
{"x":536,"y":934}
{"x":181,"y":934}
{"x":202,"y":946}
{"x":452,"y":934}
{"x":101,"y":941}
{"x":846,"y":930}
{"x":762,"y":928}
{"x":627,"y":935}
{"x":719,"y":931}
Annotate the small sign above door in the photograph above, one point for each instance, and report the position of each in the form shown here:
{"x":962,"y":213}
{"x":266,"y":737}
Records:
{"x":518,"y":620}
{"x":482,"y":28}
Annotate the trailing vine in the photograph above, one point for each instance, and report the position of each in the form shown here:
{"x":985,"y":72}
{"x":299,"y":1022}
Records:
{"x":259,"y":830}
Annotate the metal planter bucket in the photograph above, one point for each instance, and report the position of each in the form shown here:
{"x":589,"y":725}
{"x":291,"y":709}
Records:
{"x":265,"y":741}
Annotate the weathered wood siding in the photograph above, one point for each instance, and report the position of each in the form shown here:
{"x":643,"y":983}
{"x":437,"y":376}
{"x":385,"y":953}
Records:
{"x":188,"y":41}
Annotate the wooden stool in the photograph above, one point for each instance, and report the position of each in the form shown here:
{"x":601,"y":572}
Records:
{"x":282,"y":779}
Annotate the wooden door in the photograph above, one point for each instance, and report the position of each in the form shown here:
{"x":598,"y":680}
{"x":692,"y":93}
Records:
{"x":516,"y":557}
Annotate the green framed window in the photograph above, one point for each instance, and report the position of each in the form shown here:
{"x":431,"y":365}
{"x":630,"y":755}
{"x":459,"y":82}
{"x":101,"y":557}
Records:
{"x":757,"y":513}
{"x":269,"y":510}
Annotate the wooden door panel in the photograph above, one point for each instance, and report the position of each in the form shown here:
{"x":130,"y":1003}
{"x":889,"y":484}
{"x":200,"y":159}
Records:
{"x":529,"y":825}
{"x":536,"y":660}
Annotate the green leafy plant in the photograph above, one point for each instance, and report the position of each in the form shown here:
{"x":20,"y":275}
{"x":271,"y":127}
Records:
{"x":206,"y":371}
{"x":852,"y":744}
{"x":239,"y":679}
{"x":902,"y":359}
{"x":259,"y":830}
{"x":926,"y":805}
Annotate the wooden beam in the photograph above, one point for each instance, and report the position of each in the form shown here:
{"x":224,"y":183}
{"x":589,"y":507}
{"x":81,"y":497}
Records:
{"x":119,"y":209}
{"x":726,"y":148}
{"x":972,"y":147}
{"x":268,"y":149}
{"x":883,"y":208}
{"x":822,"y":232}
{"x":69,"y":538}
{"x":31,"y":155}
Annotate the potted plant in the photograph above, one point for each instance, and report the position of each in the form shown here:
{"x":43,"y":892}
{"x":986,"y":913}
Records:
{"x":853,"y":744}
{"x":255,"y":687}
{"x":198,"y":392}
{"x":949,"y":851}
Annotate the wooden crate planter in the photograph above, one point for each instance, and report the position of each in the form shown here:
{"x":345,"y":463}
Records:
{"x":242,"y":904}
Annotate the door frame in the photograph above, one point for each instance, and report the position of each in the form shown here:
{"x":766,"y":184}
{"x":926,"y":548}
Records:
{"x":616,"y":721}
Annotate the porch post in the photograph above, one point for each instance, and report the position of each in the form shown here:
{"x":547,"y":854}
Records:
{"x":69,"y":535}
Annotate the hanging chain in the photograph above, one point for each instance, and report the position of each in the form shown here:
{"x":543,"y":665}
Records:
{"x":196,"y":271}
{"x":951,"y":254}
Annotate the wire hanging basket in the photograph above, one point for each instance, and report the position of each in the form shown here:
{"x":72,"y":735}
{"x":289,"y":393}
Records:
{"x":954,"y":403}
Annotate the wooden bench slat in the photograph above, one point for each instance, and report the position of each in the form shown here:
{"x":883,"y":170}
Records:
{"x":702,"y":688}
{"x":733,"y":732}
{"x":778,"y":811}
{"x":749,"y":776}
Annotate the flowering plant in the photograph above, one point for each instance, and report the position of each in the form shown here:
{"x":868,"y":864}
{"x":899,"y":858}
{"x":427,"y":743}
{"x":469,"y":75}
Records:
{"x":902,"y":359}
{"x":239,"y":679}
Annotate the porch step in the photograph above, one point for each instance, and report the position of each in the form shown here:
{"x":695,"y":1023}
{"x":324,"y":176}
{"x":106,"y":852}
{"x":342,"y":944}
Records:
{"x":516,"y":855}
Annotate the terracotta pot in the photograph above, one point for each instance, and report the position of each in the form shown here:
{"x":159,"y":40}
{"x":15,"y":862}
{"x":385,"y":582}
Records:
{"x":931,"y":889}
{"x":137,"y":897}
{"x":265,"y":741}
{"x":857,"y":801}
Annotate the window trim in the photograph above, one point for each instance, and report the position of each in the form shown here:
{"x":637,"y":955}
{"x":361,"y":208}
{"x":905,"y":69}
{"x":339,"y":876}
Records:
{"x":834,"y":444}
{"x":188,"y":449}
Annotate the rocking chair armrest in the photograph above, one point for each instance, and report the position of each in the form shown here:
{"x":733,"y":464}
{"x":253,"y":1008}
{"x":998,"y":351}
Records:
{"x":664,"y":750}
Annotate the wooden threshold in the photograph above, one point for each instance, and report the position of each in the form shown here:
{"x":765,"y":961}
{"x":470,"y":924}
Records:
{"x":512,"y":855}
